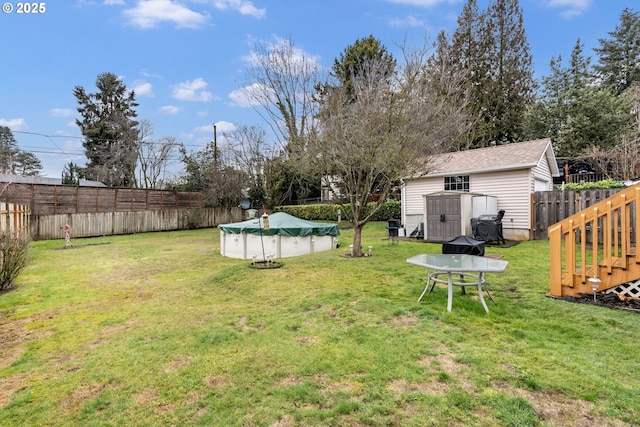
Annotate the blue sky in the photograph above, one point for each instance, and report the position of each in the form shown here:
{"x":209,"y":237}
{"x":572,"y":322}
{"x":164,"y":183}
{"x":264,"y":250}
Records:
{"x":186,"y":59}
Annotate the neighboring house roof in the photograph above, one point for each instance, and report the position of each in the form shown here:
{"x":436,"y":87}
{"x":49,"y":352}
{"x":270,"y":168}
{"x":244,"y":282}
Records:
{"x":519,"y":155}
{"x":44,"y":180}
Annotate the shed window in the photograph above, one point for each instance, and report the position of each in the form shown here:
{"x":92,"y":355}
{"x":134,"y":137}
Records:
{"x":456,"y":183}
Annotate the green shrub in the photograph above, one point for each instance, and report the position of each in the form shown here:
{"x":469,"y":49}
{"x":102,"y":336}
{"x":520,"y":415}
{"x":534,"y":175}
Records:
{"x":13,"y":258}
{"x":328,"y":212}
{"x":599,"y":185}
{"x":190,"y":219}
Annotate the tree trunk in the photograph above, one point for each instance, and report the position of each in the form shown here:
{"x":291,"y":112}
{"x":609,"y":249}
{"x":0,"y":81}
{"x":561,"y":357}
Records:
{"x":357,"y":239}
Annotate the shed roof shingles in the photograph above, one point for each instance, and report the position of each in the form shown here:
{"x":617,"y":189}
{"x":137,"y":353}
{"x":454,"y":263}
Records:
{"x":507,"y":156}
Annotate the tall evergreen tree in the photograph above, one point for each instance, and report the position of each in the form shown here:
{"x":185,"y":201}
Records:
{"x":619,"y":56}
{"x":468,"y":48}
{"x":445,"y":77}
{"x":13,"y":160}
{"x":575,"y":112}
{"x":354,"y":61}
{"x":492,"y":46}
{"x":70,"y":174}
{"x":8,"y":150}
{"x":511,"y":66}
{"x":27,"y":164}
{"x":110,"y":130}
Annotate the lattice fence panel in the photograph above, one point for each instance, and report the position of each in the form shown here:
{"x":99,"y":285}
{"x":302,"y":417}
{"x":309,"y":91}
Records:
{"x":631,"y":289}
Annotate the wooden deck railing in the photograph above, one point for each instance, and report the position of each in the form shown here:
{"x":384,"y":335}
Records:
{"x":596,"y":246}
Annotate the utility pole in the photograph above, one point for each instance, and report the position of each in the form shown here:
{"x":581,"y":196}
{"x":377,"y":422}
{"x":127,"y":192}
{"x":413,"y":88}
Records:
{"x":215,"y":147}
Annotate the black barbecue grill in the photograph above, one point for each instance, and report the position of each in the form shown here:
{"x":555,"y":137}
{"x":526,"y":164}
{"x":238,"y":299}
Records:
{"x":488,"y":228}
{"x":463,"y":245}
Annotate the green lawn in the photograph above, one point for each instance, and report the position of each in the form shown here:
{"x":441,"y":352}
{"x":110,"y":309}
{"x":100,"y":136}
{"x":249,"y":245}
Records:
{"x":158,"y":329}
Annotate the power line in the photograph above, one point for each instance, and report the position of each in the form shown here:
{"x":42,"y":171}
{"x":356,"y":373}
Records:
{"x":80,"y":137}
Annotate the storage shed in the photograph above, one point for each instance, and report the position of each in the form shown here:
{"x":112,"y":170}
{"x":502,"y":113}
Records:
{"x":508,"y":174}
{"x":448,"y":214}
{"x":286,"y":236}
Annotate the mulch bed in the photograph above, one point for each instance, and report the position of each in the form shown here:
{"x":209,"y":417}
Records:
{"x":610,"y":300}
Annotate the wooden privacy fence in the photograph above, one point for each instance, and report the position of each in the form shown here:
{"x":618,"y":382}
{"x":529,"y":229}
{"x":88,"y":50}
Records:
{"x":102,"y":211}
{"x":61,"y":199}
{"x":550,"y":207}
{"x":14,"y":218}
{"x":47,"y":227}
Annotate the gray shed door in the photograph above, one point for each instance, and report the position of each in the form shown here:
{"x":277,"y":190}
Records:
{"x":443,"y":218}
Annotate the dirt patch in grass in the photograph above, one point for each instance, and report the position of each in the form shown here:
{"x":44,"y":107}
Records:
{"x":150,"y":396}
{"x":215,"y":381}
{"x":14,"y":333}
{"x":306,"y":340}
{"x":110,"y":330}
{"x":406,"y":321}
{"x":178,"y":364}
{"x":444,"y":364}
{"x":10,"y":385}
{"x":561,"y":410}
{"x":145,"y":396}
{"x":401,"y":386}
{"x":83,"y":394}
{"x":286,"y":421}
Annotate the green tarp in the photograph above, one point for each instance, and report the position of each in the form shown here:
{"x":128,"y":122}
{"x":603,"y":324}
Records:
{"x":281,"y":223}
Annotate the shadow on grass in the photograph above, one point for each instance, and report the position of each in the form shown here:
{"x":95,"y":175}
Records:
{"x":64,"y":248}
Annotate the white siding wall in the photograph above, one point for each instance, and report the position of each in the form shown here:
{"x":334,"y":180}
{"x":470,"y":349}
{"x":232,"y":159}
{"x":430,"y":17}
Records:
{"x":512,"y":188}
{"x":542,"y":173}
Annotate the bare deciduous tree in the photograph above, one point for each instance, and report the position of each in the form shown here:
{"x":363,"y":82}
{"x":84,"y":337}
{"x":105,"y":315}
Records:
{"x":154,"y":156}
{"x":280,"y":83}
{"x":385,"y":131}
{"x":248,"y":151}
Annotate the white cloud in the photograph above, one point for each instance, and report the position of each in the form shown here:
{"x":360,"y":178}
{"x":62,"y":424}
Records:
{"x":242,"y":97}
{"x":193,"y":90}
{"x":62,"y":112}
{"x":149,"y":13}
{"x":112,"y":2}
{"x":148,"y":74}
{"x":15,"y":124}
{"x":243,"y":6}
{"x":296,"y":56}
{"x":204,"y":129}
{"x":142,"y":88}
{"x":570,"y":8}
{"x":223,"y":126}
{"x":409,"y":21}
{"x":170,"y":109}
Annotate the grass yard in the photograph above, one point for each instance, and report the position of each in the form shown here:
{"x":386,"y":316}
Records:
{"x":158,"y":329}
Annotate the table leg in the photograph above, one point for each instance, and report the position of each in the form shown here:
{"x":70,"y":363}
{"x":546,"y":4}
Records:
{"x":450,"y":290}
{"x":480,"y":280}
{"x":427,"y":286}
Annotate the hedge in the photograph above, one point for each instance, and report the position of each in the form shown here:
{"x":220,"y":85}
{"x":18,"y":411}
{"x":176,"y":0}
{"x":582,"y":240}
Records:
{"x":599,"y":185}
{"x":326,"y":212}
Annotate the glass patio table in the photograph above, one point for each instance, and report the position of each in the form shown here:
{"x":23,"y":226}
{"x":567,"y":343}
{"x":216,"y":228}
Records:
{"x":462,"y":265}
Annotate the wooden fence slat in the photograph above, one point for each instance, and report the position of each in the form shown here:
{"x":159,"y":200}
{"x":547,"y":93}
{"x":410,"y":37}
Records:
{"x":62,"y":199}
{"x":551,"y":207}
{"x":111,"y":223}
